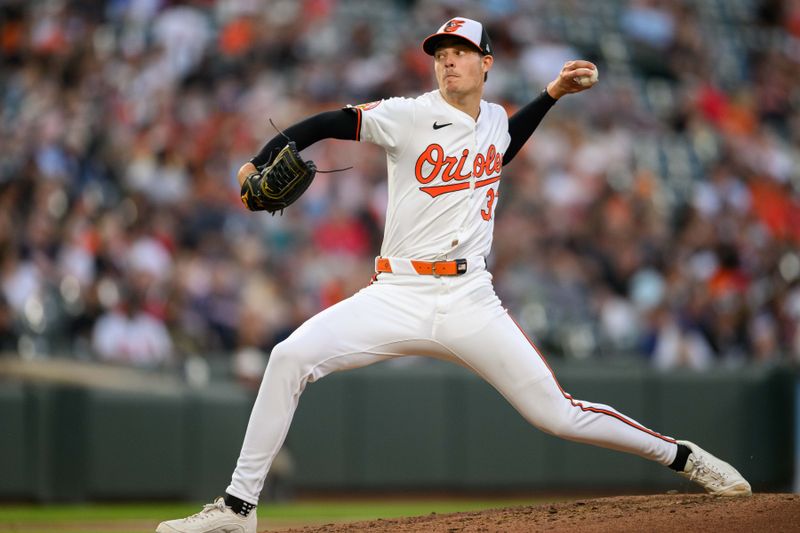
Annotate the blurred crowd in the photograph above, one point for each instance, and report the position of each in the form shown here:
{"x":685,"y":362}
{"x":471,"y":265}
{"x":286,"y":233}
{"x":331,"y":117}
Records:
{"x":655,"y":216}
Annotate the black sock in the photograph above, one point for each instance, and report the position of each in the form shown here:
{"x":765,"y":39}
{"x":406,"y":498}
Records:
{"x":239,"y":507}
{"x":680,"y":458}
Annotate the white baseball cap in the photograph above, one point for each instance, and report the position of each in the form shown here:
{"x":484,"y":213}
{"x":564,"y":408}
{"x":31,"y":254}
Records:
{"x":470,"y":30}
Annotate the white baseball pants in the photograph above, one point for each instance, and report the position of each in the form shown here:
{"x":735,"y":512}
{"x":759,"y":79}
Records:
{"x":458,"y":319}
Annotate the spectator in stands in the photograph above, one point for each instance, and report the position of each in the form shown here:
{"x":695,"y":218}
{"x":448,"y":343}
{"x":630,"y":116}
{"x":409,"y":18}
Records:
{"x":128,"y":334}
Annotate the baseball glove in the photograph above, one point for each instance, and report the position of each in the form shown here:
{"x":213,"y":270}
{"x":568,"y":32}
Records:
{"x":279,"y":185}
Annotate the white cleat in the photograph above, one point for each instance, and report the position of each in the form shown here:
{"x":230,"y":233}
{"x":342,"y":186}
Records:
{"x":716,"y":476}
{"x":214,"y":518}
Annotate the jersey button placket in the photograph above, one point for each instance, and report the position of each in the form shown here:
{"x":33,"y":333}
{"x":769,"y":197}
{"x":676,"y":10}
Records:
{"x":473,"y":149}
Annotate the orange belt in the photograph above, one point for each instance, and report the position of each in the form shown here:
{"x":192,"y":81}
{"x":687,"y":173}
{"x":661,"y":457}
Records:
{"x":456,"y":267}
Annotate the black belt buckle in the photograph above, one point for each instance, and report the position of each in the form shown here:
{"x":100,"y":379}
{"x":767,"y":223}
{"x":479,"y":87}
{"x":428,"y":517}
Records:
{"x":461,"y":266}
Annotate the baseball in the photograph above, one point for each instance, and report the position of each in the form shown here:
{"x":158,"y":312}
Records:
{"x":588,"y":81}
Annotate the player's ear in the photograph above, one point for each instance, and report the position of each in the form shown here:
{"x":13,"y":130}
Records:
{"x":486,"y":62}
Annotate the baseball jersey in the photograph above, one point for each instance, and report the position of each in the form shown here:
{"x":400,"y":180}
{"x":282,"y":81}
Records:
{"x":444,"y":172}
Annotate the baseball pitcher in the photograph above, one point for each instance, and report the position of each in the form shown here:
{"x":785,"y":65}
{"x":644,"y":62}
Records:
{"x":431,"y":294}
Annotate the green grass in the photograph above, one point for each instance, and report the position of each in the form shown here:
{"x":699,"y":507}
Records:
{"x":140,"y":518}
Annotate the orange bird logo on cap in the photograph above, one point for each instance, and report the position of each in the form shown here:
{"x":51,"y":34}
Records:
{"x":453,"y":25}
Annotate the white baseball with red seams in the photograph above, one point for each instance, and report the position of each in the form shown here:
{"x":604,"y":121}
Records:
{"x":588,"y":81}
{"x":444,"y":172}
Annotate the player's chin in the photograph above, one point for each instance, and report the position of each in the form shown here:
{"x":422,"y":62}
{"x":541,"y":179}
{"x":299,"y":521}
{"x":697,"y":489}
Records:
{"x":454,"y":86}
{"x":451,"y":81}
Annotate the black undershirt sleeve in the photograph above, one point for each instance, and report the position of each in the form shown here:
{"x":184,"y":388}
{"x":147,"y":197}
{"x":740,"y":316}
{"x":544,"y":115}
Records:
{"x":339,"y":124}
{"x":522,"y":124}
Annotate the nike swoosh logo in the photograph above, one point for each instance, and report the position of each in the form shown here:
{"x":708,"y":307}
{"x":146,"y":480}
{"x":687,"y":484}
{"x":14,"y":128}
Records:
{"x":440,"y":126}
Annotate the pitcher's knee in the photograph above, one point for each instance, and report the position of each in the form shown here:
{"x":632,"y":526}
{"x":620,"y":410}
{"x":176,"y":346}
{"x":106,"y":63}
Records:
{"x":284,"y":356}
{"x":559,"y":428}
{"x":295,"y":356}
{"x":551,"y":417}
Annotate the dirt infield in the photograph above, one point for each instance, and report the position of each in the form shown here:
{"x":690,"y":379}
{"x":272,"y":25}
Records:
{"x":667,"y":513}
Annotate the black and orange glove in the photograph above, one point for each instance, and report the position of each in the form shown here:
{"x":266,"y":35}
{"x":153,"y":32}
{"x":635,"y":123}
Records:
{"x":279,"y":185}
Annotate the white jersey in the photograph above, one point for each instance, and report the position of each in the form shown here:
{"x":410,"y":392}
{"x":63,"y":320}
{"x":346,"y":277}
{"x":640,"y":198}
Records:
{"x":444,"y":172}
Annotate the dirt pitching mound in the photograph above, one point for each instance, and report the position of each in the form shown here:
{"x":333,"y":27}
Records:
{"x":667,"y":513}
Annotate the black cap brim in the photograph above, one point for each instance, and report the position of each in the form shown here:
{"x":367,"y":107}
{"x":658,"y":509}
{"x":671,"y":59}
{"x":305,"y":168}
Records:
{"x":430,"y":44}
